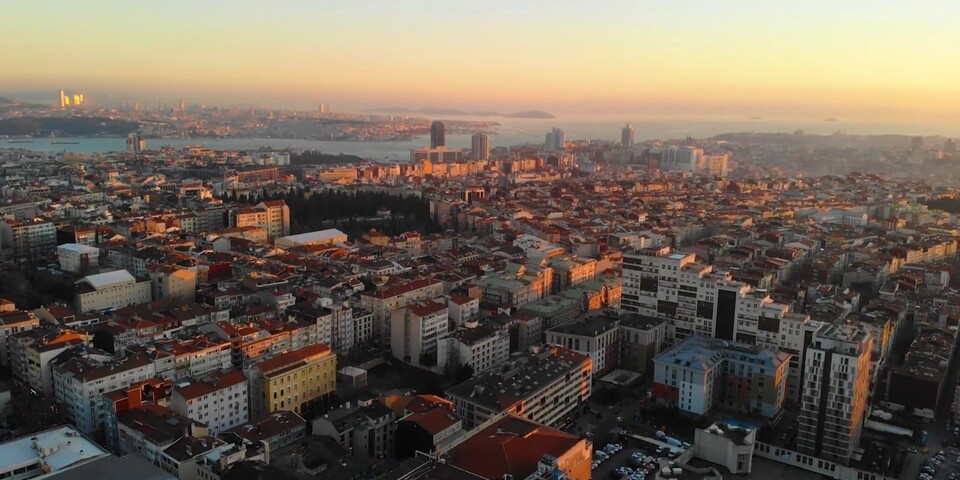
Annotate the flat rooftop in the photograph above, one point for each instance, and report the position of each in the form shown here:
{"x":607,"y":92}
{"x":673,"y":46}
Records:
{"x":101,"y":281}
{"x":313,"y":237}
{"x":65,"y":447}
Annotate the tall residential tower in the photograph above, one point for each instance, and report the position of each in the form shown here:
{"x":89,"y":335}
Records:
{"x":835,"y":391}
{"x":480,"y":146}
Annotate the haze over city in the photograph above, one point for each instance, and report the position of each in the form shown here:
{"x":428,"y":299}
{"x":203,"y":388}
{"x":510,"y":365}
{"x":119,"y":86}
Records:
{"x":465,"y":240}
{"x":873,"y":61}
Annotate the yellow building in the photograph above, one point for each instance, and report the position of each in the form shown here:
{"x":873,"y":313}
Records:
{"x":292,"y":380}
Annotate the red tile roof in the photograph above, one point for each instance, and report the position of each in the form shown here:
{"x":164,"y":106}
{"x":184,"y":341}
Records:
{"x":510,"y":446}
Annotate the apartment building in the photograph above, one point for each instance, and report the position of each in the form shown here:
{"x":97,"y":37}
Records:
{"x":79,"y":383}
{"x":78,"y":258}
{"x":150,"y":391}
{"x":368,"y":430}
{"x":482,"y":347}
{"x":277,"y":219}
{"x":32,"y":352}
{"x":111,"y":290}
{"x":173,"y":283}
{"x":701,"y":373}
{"x":415,"y":332}
{"x":293,"y":380}
{"x":592,"y":336}
{"x":790,"y":334}
{"x":571,"y":271}
{"x":27,"y":238}
{"x":384,"y":301}
{"x":547,"y":386}
{"x":219,"y":401}
{"x":689,"y":295}
{"x":13,"y":322}
{"x":835,"y":392}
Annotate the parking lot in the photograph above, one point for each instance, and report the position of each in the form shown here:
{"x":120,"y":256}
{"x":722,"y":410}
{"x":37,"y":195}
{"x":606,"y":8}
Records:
{"x":941,"y":465}
{"x":630,"y":453}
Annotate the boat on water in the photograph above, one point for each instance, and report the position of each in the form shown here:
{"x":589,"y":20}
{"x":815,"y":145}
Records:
{"x":63,"y":142}
{"x":19,"y":141}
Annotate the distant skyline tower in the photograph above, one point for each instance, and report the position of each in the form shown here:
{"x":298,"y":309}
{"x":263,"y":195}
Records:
{"x":628,"y":135}
{"x":555,"y":139}
{"x":136,"y":143}
{"x":480,"y":146}
{"x":324,"y":108}
{"x":64,"y":99}
{"x":437,"y":136}
{"x":183,"y":107}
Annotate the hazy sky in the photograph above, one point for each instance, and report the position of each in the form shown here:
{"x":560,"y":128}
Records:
{"x":892,"y":60}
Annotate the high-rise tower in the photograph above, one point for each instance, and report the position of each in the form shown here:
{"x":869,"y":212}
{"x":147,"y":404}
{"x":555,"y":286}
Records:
{"x":628,"y":135}
{"x":836,"y":387}
{"x":437,"y":137}
{"x":480,"y":146}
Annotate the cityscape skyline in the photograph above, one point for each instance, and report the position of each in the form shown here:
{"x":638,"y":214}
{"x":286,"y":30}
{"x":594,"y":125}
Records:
{"x":829,"y":65}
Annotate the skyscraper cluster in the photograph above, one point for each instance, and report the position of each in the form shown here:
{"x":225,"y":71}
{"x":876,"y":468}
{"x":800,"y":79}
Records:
{"x":71,"y":100}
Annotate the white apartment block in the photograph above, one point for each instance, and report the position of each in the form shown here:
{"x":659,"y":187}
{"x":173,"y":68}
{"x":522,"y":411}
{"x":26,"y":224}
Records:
{"x":79,"y":383}
{"x":416,"y":330}
{"x":77,"y":258}
{"x":384,"y":301}
{"x":480,"y":347}
{"x":219,"y":401}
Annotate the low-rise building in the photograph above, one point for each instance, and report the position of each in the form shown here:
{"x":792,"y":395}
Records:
{"x":111,"y":290}
{"x":47,"y":453}
{"x":78,"y":258}
{"x":514,"y":447}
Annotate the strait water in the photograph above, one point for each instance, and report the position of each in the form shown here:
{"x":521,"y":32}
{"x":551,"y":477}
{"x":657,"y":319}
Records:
{"x":510,"y":132}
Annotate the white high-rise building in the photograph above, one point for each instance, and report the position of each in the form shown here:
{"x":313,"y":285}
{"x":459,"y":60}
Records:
{"x":835,"y":392}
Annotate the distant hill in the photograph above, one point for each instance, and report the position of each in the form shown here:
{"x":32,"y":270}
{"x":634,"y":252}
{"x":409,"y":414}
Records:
{"x":65,"y":126}
{"x":456,"y":111}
